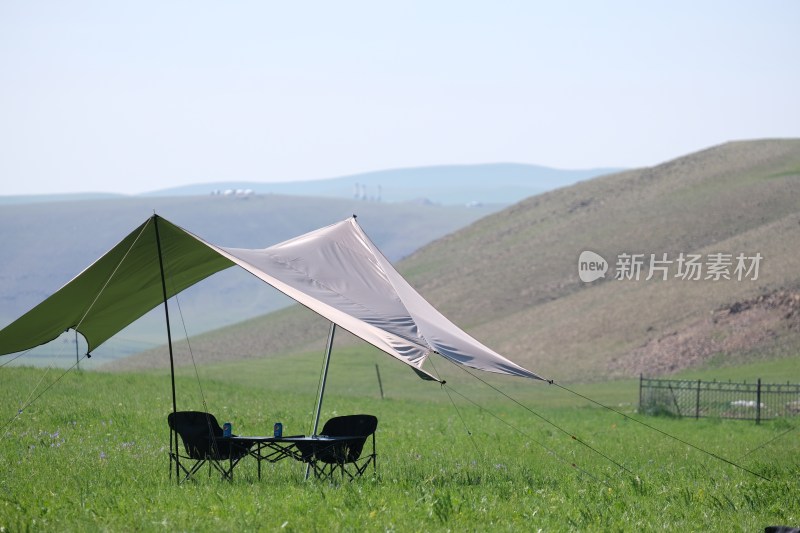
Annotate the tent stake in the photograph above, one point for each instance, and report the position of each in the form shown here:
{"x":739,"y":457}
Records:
{"x":169,"y":343}
{"x":322,"y":384}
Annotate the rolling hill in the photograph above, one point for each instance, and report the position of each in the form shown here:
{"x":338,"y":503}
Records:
{"x":511,"y":278}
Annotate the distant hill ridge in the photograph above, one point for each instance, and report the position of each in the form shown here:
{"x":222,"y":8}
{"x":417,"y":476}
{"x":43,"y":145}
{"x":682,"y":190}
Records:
{"x":511,"y":278}
{"x":503,"y":183}
{"x":491,"y":183}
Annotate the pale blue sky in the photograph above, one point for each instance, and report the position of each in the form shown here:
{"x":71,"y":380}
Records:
{"x":136,"y":96}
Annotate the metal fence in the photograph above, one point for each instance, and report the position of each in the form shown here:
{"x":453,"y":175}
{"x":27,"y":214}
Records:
{"x":746,"y":401}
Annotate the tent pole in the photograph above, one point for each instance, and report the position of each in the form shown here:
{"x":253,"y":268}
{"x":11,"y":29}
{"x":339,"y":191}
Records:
{"x":324,"y":377}
{"x":322,"y":384}
{"x":169,"y":343}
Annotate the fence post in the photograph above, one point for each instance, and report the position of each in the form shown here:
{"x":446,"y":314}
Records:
{"x":697,"y":402}
{"x":640,"y":393}
{"x":758,"y":402}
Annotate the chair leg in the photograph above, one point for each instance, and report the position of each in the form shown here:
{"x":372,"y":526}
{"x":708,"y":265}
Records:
{"x":227,"y":473}
{"x":175,"y":458}
{"x":178,"y":469}
{"x":225,"y":468}
{"x":319,"y":471}
{"x":189,"y":473}
{"x":324,"y":470}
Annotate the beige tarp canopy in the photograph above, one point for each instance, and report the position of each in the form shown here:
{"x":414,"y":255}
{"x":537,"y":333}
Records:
{"x":336,"y":271}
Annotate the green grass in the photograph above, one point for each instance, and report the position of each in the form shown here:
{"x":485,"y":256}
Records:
{"x":91,"y":454}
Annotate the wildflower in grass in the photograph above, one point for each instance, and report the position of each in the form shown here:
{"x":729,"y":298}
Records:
{"x":102,"y":455}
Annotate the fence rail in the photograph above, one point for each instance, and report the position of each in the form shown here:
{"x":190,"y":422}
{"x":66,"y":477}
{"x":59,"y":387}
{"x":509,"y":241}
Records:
{"x":718,"y":399}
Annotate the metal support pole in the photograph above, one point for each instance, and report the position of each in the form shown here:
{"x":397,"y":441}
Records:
{"x":324,"y":377}
{"x":322,"y":384}
{"x":169,"y":343}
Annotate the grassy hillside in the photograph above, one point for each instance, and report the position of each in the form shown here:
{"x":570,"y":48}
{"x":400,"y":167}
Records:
{"x":511,"y":279}
{"x":736,"y":198}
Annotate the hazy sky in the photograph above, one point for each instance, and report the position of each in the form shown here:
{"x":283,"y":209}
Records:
{"x":137,"y":96}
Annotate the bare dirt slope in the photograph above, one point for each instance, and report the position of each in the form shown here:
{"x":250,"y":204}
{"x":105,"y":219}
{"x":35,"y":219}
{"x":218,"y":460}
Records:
{"x":761,"y":327}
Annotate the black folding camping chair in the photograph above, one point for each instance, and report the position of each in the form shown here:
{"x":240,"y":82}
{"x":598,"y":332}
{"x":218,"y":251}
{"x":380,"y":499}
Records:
{"x":344,"y":455}
{"x":203,"y":443}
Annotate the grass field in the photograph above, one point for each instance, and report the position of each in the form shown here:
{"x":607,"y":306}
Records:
{"x":91,"y":454}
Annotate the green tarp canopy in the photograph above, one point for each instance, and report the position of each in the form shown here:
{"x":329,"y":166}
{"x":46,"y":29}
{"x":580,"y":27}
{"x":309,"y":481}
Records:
{"x":336,"y":271}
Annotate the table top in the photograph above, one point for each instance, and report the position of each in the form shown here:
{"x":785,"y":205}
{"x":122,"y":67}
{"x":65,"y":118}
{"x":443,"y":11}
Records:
{"x":290,"y":438}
